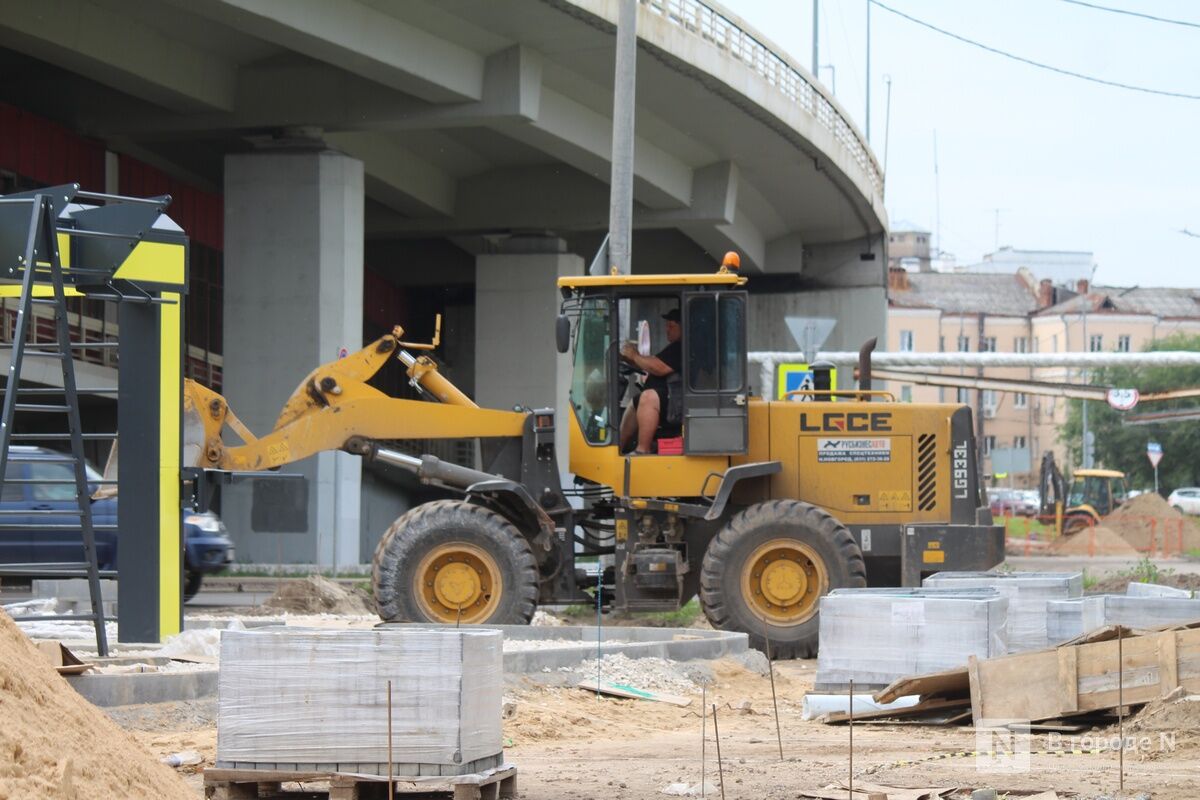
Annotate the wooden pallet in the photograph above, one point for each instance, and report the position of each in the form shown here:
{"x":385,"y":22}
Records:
{"x":253,"y":784}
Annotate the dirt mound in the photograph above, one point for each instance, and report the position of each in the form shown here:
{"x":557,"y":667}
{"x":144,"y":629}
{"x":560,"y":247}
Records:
{"x":1147,"y":520}
{"x":317,"y":595}
{"x":1100,"y":541}
{"x":1177,"y":711}
{"x":53,"y":743}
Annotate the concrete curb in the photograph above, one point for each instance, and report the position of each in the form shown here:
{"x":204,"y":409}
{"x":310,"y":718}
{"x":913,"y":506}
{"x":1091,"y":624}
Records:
{"x":677,"y":644}
{"x":149,"y":687}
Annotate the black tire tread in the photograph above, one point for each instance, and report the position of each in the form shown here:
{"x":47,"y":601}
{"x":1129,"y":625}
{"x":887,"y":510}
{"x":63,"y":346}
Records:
{"x":401,"y":541}
{"x":713,"y":597}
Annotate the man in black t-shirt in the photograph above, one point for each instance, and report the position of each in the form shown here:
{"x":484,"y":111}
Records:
{"x":648,"y":406}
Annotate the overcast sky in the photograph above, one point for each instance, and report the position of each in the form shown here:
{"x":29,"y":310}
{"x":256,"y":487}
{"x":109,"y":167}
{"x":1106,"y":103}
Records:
{"x":1071,"y":165}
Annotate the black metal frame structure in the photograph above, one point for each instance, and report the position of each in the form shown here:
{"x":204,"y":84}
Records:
{"x":100,"y":237}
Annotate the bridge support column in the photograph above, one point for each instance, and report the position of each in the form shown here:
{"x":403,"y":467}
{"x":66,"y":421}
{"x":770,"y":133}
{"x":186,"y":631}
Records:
{"x":516,"y":303}
{"x":293,"y":300}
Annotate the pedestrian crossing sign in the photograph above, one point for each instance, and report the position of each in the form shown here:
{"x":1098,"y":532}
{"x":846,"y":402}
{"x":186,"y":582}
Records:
{"x":793,"y":377}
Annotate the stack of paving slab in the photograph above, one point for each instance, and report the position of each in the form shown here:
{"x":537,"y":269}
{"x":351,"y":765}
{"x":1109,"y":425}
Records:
{"x":317,"y":700}
{"x":1144,"y":606}
{"x":874,"y":636}
{"x":1027,"y":593}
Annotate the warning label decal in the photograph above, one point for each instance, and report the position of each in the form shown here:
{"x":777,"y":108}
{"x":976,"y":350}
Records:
{"x":854,"y":451}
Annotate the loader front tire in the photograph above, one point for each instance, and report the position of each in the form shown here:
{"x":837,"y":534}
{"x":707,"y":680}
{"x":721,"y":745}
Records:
{"x":766,"y":570}
{"x":451,"y":561}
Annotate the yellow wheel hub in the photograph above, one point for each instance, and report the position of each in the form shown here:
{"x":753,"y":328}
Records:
{"x":458,"y":582}
{"x":782,"y":581}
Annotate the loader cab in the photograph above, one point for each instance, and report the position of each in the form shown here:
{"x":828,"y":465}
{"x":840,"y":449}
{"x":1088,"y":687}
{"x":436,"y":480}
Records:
{"x":1100,"y":490}
{"x":705,"y":411}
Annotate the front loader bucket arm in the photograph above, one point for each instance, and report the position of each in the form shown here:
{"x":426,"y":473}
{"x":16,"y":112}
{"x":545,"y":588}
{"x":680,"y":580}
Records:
{"x":372,"y":418}
{"x":333,"y":405}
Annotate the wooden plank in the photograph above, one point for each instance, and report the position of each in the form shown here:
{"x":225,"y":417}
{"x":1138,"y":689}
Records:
{"x":633,"y":693}
{"x":949,"y":682}
{"x":1068,"y":681}
{"x":1168,"y":663}
{"x":976,"y":689}
{"x":923,"y":707}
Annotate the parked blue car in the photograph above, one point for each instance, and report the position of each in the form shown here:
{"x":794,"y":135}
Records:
{"x":206,"y":546}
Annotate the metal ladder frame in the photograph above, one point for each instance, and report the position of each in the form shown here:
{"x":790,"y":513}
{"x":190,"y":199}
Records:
{"x":41,"y":263}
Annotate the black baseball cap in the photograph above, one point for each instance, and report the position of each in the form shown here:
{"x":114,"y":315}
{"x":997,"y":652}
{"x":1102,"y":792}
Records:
{"x":672,"y":315}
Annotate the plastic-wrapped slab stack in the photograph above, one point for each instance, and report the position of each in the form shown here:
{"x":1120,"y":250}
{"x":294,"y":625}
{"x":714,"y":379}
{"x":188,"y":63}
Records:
{"x":1027,"y":593}
{"x":1066,"y":619}
{"x":307,"y":699}
{"x":874,"y":636}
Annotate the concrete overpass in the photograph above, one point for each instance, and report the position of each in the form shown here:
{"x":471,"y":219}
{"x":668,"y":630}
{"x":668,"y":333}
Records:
{"x":459,"y":142}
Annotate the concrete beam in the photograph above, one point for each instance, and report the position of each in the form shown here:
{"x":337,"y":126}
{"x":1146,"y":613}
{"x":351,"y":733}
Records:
{"x":279,"y":94}
{"x":118,"y":51}
{"x":555,"y":198}
{"x":581,"y":137}
{"x":359,"y":39}
{"x":396,"y":177}
{"x":741,"y":235}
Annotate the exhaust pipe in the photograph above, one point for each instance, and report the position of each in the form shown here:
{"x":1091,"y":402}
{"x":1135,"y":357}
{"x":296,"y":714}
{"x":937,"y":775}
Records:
{"x":864,"y":364}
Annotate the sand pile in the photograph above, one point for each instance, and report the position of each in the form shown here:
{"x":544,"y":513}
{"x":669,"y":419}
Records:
{"x":55,"y":744}
{"x":1100,"y":541}
{"x":1147,"y":518}
{"x":317,"y":595}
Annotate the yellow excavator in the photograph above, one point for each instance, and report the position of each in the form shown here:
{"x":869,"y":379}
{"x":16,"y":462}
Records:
{"x":1092,"y":495}
{"x":757,"y":507}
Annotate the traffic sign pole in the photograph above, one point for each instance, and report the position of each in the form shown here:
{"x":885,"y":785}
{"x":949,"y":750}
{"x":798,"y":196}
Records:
{"x":1154,"y":452}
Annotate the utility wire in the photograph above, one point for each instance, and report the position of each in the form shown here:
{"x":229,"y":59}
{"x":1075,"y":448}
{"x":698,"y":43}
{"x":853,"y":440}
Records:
{"x":1185,"y":23}
{"x":1031,"y":62}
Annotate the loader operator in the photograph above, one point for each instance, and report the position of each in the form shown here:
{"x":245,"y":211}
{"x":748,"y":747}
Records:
{"x":644,"y":415}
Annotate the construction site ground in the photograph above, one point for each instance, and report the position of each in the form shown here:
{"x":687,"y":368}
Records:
{"x":567,"y":743}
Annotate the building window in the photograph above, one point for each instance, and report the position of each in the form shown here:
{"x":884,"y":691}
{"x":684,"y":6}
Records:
{"x":1019,"y":442}
{"x":987,"y":344}
{"x":1020,"y":400}
{"x":1123,"y":343}
{"x":906,"y":341}
{"x":905,"y":394}
{"x":941,"y":344}
{"x":964,"y":344}
{"x":1020,"y":345}
{"x":1096,"y":342}
{"x":989,"y":444}
{"x":941,"y":394}
{"x":989,"y":398}
{"x":962,"y":396}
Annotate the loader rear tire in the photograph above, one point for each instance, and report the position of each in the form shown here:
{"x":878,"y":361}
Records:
{"x":451,"y":561}
{"x":765,"y":572}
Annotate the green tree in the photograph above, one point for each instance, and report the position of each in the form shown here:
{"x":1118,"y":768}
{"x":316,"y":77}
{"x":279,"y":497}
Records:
{"x":1123,"y":447}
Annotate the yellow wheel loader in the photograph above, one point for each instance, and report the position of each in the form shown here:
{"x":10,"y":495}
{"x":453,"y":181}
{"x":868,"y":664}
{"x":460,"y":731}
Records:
{"x":757,"y":507}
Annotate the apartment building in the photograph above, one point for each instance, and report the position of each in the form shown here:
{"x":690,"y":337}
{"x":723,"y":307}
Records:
{"x":1015,"y":312}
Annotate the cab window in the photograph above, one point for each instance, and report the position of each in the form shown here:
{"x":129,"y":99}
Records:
{"x":590,"y":376}
{"x":715,"y":357}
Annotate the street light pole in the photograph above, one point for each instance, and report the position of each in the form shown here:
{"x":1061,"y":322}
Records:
{"x":816,"y":50}
{"x":1087,"y":449}
{"x":887,"y":123}
{"x":868,"y":72}
{"x":620,"y":208}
